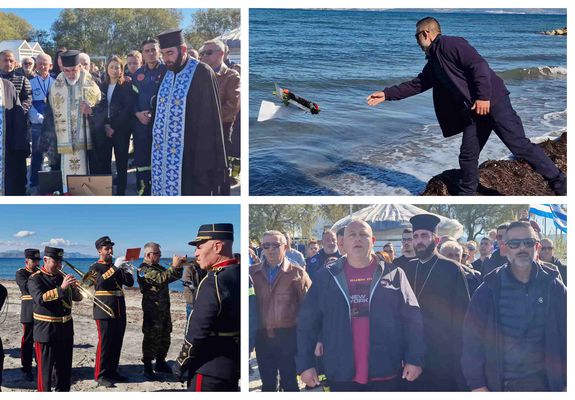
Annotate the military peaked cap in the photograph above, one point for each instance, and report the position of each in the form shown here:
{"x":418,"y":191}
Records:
{"x":214,"y":232}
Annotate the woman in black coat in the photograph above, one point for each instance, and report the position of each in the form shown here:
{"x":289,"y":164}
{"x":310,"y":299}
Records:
{"x":114,"y":123}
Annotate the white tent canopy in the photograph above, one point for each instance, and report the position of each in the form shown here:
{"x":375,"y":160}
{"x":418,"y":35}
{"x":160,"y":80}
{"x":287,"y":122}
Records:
{"x":389,"y":220}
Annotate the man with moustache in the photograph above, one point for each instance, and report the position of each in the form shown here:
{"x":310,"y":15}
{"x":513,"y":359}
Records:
{"x":368,"y":318}
{"x":515,"y":331}
{"x":280,"y":286}
{"x":53,"y":293}
{"x":68,"y":117}
{"x":211,"y":351}
{"x":109,"y":281}
{"x":441,"y":289}
{"x":498,"y":257}
{"x":327,"y":253}
{"x":26,"y":310}
{"x":407,"y":251}
{"x":188,"y":151}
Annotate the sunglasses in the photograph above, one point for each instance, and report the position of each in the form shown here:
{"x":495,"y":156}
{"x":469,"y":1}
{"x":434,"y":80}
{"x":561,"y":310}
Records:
{"x":207,"y":52}
{"x":470,"y":248}
{"x":419,"y":33}
{"x":407,"y":240}
{"x":27,"y":63}
{"x":547,"y":248}
{"x":268,"y":246}
{"x":515,"y":243}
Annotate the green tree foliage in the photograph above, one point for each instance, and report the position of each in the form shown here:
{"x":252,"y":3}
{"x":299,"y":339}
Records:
{"x":103,"y":32}
{"x":13,"y":27}
{"x":210,"y":23}
{"x":283,"y":217}
{"x":478,"y":219}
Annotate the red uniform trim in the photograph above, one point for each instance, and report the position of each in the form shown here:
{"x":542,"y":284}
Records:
{"x":38,"y":348}
{"x":98,"y":352}
{"x":226,"y":263}
{"x":199,"y":378}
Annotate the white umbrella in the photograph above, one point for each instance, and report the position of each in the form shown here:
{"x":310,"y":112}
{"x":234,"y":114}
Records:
{"x":389,"y":220}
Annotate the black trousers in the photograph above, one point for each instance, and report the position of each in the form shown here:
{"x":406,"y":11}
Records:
{"x":505,"y":122}
{"x":277,"y":354}
{"x":120,"y":142}
{"x":143,"y":157}
{"x":27,"y":346}
{"x":54,"y":357}
{"x":392,"y":385}
{"x":205,"y":383}
{"x":15,"y":172}
{"x":110,"y":339}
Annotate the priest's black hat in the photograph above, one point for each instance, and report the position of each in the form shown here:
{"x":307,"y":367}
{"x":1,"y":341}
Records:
{"x":171,"y":38}
{"x":54,"y":252}
{"x":104,"y":241}
{"x":214,"y":232}
{"x":428,"y":222}
{"x":32,"y":254}
{"x":70,"y":58}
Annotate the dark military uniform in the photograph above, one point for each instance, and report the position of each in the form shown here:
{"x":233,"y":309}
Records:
{"x":53,"y":329}
{"x":146,"y":83}
{"x":211,"y":350}
{"x":3,"y":296}
{"x":108,"y":284}
{"x":26,"y":318}
{"x":153,"y":280}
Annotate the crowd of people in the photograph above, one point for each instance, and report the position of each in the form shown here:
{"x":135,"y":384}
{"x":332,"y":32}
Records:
{"x":180,"y":105}
{"x":443,"y":316}
{"x":209,"y":358}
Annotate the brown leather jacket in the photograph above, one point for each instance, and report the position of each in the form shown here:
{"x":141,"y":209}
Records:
{"x":229,"y":91}
{"x":278,"y":305}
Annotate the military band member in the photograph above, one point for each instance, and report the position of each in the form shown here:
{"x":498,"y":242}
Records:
{"x":211,"y":349}
{"x":52,"y":294}
{"x":26,"y":310}
{"x":108,"y":283}
{"x":3,"y":296}
{"x":153,"y":280}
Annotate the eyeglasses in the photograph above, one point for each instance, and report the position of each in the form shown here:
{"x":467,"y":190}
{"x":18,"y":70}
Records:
{"x":26,"y":63}
{"x":470,"y":248}
{"x":156,"y":253}
{"x":419,"y":33}
{"x":268,"y":246}
{"x":547,"y":248}
{"x":407,"y":240}
{"x":207,"y":52}
{"x":515,"y":243}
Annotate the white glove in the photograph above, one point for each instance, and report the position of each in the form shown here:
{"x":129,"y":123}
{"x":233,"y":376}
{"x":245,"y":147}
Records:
{"x":120,"y":261}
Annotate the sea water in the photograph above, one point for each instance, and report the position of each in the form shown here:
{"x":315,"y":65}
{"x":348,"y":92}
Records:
{"x":336,"y":58}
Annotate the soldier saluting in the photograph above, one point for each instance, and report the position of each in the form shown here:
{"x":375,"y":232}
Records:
{"x":52,"y":292}
{"x":26,"y":310}
{"x":108,"y":283}
{"x":211,"y":349}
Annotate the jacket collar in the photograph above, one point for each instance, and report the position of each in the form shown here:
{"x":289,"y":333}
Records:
{"x":493,"y":279}
{"x":285,"y":266}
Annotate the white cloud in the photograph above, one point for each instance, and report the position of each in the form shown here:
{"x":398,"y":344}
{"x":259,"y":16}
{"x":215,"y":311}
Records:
{"x":22,"y":234}
{"x":59,"y":242}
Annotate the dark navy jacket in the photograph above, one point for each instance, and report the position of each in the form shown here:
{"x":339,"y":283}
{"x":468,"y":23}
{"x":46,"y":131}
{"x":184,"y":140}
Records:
{"x":459,"y":76}
{"x":317,"y":262}
{"x":482,"y":357}
{"x":396,"y":327}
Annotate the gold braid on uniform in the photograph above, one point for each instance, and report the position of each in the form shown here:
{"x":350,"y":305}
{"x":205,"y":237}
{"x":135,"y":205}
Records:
{"x":185,"y":354}
{"x":108,"y":274}
{"x":217,"y":271}
{"x":50,"y":295}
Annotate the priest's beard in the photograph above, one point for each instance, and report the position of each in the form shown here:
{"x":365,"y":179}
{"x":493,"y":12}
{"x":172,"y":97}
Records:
{"x":424,"y":254}
{"x":176,"y":65}
{"x":72,"y":83}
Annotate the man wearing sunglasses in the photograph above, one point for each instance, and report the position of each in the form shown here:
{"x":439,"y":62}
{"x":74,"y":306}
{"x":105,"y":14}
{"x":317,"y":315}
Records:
{"x":280,"y":287}
{"x":469,"y":98}
{"x":514,"y":336}
{"x":546,"y":254}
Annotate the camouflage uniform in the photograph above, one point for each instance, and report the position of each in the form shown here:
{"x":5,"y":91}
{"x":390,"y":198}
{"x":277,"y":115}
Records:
{"x":157,"y":325}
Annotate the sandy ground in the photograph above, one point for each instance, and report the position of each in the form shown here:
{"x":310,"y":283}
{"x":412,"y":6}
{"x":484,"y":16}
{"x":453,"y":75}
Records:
{"x":85,"y":342}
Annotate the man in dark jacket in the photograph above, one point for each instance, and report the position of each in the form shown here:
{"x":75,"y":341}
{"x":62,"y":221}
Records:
{"x":469,"y":97}
{"x":497,"y":258}
{"x":546,"y":254}
{"x":327,"y":253}
{"x":515,"y":331}
{"x":367,"y":317}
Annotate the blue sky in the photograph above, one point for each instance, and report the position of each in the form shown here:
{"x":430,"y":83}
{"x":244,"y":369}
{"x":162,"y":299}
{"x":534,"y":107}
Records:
{"x":42,"y":18}
{"x":76,"y":227}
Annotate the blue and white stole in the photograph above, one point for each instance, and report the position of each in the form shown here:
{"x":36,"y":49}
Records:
{"x":169,"y":131}
{"x":2,"y":138}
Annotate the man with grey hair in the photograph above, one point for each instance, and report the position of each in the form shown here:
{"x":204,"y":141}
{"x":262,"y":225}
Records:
{"x":86,"y":63}
{"x":153,"y":280}
{"x":280,"y":287}
{"x":27,"y":67}
{"x":213,"y":53}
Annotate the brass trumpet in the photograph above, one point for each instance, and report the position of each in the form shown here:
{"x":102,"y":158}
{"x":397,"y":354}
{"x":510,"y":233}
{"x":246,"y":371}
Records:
{"x":86,"y":293}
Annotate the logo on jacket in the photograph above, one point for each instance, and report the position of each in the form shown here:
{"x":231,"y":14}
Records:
{"x":386,"y":283}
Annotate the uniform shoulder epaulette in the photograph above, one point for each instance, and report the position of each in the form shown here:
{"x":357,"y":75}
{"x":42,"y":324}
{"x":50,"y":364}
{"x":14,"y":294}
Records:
{"x":35,"y":273}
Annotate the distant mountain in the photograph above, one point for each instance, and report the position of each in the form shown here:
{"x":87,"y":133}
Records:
{"x":20,"y":254}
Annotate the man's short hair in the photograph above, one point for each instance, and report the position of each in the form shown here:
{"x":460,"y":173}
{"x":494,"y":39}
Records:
{"x":451,"y":245}
{"x":219,"y":43}
{"x":311,"y":242}
{"x":547,"y":240}
{"x":388,"y":244}
{"x":330,"y":232}
{"x":135,"y":53}
{"x":148,"y":41}
{"x":283,"y":239}
{"x":522,"y":225}
{"x":150,"y":246}
{"x":7,"y":52}
{"x":28,"y":58}
{"x":429,"y":24}
{"x":503,"y":227}
{"x":486,"y":238}
{"x":340,"y":232}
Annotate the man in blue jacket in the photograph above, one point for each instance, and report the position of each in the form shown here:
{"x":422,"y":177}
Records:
{"x":367,"y":317}
{"x":470,"y":98}
{"x":515,"y":331}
